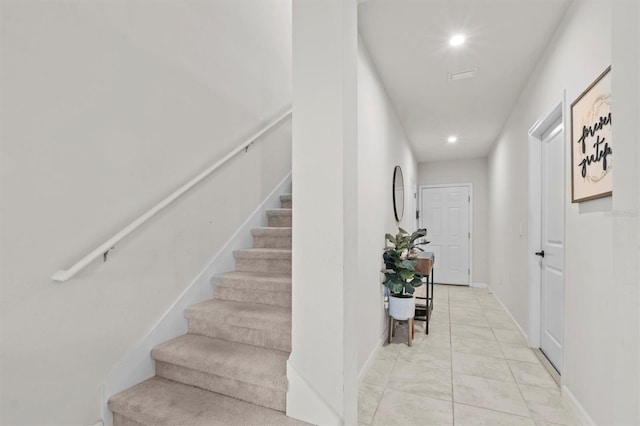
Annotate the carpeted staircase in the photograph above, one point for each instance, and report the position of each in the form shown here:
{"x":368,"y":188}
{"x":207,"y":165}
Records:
{"x":230,"y":369}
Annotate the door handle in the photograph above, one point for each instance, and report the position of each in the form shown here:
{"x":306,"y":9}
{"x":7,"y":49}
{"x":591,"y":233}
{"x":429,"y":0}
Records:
{"x":539,"y":253}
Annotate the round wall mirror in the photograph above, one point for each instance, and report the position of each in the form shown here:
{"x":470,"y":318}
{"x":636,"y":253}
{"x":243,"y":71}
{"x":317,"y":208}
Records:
{"x":398,"y":193}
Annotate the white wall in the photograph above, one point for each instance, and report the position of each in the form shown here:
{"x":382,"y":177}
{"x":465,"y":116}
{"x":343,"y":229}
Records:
{"x":321,"y":370}
{"x":573,"y":59}
{"x":107,"y":107}
{"x":382,"y":144}
{"x":601,"y":312}
{"x":474,"y":171}
{"x":623,"y":385}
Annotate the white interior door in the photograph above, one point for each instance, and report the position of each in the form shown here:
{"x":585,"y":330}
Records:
{"x":552,"y":263}
{"x":444,"y":211}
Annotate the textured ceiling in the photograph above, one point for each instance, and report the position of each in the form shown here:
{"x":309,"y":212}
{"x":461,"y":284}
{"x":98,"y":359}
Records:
{"x":408,"y":43}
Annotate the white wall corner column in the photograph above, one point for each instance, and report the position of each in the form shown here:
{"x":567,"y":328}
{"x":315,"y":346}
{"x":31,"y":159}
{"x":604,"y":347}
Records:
{"x":322,"y":369}
{"x":625,"y":107}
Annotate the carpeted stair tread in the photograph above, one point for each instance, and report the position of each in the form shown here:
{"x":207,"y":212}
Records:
{"x":270,"y":260}
{"x":256,"y":281}
{"x":263,"y":253}
{"x":253,"y":287}
{"x":249,"y":315}
{"x":279,"y":217}
{"x":272,"y":237}
{"x":163,"y":402}
{"x":120,"y":420}
{"x":265,"y":297}
{"x":272,"y":230}
{"x":255,"y":324}
{"x":279,"y":212}
{"x":237,"y":361}
{"x":286,"y":201}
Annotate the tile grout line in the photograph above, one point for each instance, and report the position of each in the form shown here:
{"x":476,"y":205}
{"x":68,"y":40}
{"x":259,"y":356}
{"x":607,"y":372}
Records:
{"x":453,"y":400}
{"x":548,"y":366}
{"x":384,"y":389}
{"x":497,"y":411}
{"x":506,"y":362}
{"x":516,"y":381}
{"x":512,"y":374}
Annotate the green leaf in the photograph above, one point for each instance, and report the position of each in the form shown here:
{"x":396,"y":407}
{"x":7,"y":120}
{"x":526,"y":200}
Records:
{"x":395,"y":288}
{"x":416,"y":282}
{"x":408,"y":288}
{"x":408,"y":264}
{"x":406,"y":274}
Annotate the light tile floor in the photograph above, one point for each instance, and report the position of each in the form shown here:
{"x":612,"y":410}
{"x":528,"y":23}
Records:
{"x":473,"y":368}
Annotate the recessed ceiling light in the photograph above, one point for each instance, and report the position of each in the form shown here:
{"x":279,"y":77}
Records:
{"x":457,"y":40}
{"x":452,"y":139}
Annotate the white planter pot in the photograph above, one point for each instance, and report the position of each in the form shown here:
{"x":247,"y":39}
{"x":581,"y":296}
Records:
{"x":402,"y":308}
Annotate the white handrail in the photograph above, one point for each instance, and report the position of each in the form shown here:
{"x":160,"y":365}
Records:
{"x":103,"y":249}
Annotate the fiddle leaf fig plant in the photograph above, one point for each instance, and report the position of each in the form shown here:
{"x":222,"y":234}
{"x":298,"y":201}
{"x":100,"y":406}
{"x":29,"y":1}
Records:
{"x":400,"y":261}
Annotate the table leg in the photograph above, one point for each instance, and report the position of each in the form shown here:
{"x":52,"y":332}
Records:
{"x":411,"y":329}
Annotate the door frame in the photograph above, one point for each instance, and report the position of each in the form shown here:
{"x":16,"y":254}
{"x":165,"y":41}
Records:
{"x":415,"y":204}
{"x":555,"y":113}
{"x":449,"y":185}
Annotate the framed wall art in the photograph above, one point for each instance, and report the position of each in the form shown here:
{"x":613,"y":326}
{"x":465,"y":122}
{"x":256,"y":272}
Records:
{"x":591,"y":142}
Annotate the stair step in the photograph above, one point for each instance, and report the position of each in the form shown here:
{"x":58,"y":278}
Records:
{"x":256,"y":281}
{"x":266,"y":297}
{"x":246,"y":372}
{"x":255,"y":287}
{"x":279,"y":217}
{"x":251,"y":323}
{"x":162,"y":402}
{"x":263,"y":260}
{"x":286,"y":201}
{"x":272,"y":237}
{"x":120,"y":420}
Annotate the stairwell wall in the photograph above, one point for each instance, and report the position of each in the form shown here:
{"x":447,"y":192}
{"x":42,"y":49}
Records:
{"x":601,"y":362}
{"x":107,"y":107}
{"x":382,"y":145}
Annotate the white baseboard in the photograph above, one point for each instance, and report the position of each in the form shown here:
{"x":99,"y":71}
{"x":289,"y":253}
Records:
{"x":525,"y":335}
{"x":367,"y":365}
{"x":480,"y":285}
{"x":138,"y":366}
{"x":582,"y":414}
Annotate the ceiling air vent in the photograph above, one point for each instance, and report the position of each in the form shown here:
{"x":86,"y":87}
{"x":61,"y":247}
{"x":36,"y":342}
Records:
{"x":463,"y":74}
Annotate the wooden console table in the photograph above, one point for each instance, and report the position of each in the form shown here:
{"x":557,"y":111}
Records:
{"x":425,"y":267}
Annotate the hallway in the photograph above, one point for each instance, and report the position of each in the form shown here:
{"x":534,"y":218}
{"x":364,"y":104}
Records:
{"x":473,"y":368}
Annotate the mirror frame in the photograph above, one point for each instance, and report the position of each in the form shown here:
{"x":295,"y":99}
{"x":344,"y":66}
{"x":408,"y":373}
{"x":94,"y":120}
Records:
{"x":398,"y":204}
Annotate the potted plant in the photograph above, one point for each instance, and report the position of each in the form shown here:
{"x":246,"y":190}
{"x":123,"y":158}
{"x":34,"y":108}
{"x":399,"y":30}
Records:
{"x":400,"y":275}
